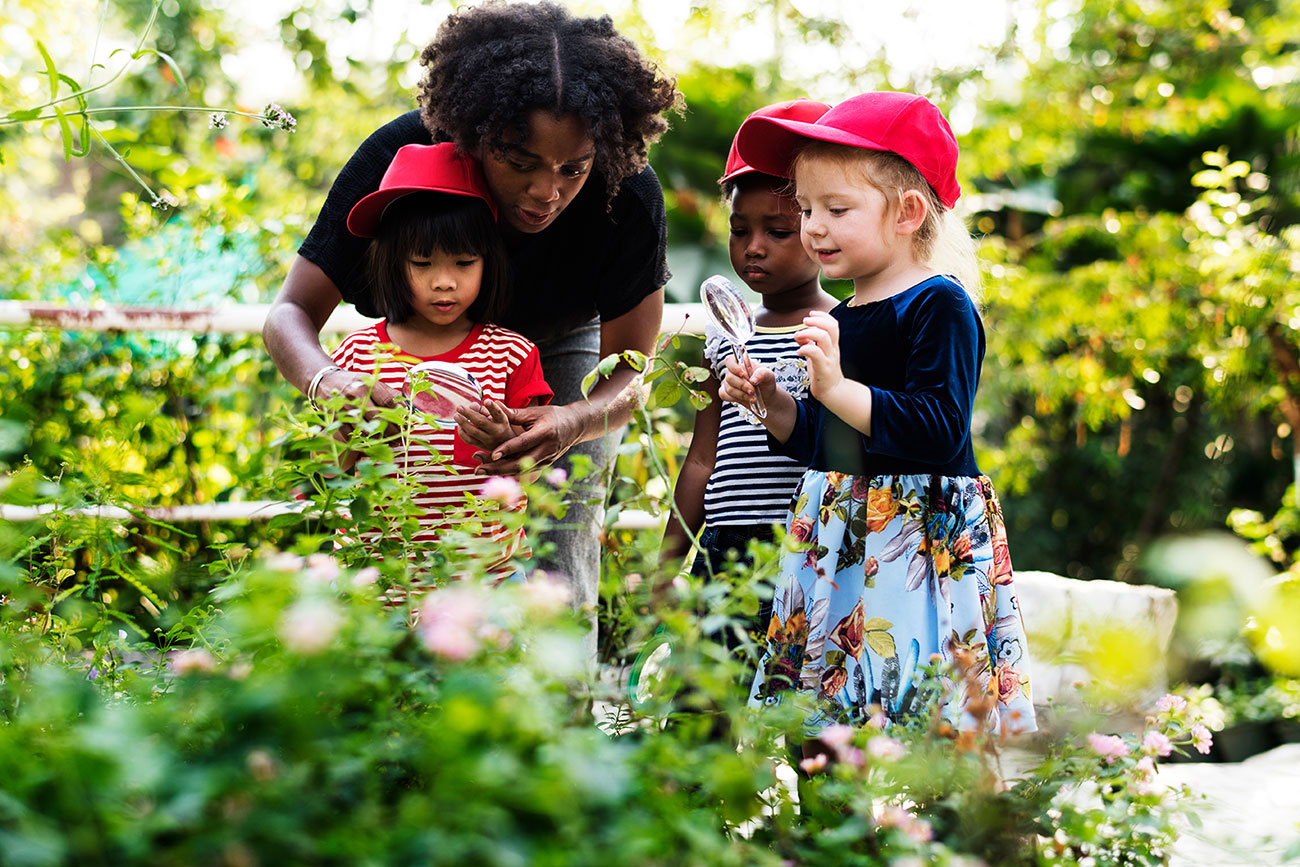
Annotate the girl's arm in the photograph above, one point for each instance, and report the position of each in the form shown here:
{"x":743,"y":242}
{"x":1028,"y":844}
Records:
{"x":819,"y":344}
{"x":688,"y":493}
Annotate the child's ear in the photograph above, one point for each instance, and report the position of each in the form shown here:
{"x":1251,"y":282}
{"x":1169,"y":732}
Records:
{"x":912,"y":208}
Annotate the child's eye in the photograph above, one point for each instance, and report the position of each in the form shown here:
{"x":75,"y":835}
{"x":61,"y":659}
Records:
{"x":837,"y":211}
{"x":573,"y":171}
{"x":419,"y":263}
{"x":737,"y":232}
{"x":520,"y":167}
{"x":780,"y":234}
{"x":806,"y":212}
{"x":466,"y":262}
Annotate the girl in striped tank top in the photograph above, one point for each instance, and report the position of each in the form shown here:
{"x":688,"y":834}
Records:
{"x":731,"y":483}
{"x":437,"y":272}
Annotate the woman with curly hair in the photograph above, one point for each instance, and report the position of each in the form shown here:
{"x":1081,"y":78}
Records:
{"x":560,"y":111}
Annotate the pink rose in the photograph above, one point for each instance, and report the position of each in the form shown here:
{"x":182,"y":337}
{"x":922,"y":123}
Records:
{"x":801,"y":530}
{"x":504,"y":490}
{"x":1001,"y":560}
{"x":1008,"y":684}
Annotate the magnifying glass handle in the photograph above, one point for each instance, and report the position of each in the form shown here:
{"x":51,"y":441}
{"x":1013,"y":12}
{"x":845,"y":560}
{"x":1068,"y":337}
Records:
{"x":759,"y":408}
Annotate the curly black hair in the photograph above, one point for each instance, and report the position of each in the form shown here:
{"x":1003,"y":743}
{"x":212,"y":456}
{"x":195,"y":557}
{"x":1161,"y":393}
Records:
{"x":490,"y":66}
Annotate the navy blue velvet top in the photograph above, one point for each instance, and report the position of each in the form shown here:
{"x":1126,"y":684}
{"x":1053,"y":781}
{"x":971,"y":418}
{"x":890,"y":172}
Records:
{"x":920,"y":353}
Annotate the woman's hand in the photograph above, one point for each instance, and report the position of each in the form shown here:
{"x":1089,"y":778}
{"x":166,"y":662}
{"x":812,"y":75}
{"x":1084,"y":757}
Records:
{"x":484,"y":428}
{"x":546,"y":433}
{"x":819,"y":344}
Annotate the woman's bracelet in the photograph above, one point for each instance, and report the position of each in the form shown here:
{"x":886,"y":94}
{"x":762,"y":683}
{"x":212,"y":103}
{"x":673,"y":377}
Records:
{"x":316,"y":381}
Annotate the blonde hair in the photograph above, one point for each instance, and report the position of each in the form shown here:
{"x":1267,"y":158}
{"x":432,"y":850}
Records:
{"x":942,"y":242}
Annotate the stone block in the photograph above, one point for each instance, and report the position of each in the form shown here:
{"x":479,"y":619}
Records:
{"x":1108,"y":633}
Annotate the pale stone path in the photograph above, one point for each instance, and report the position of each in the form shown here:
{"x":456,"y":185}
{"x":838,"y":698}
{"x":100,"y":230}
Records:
{"x":1250,"y":813}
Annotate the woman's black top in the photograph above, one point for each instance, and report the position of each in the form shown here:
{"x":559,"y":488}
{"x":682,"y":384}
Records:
{"x":592,"y":261}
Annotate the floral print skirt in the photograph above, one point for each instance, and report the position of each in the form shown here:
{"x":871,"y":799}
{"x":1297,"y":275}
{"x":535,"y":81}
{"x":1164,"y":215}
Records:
{"x":890,"y":573}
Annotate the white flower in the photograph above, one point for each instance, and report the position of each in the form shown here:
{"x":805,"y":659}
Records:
{"x":217,"y":120}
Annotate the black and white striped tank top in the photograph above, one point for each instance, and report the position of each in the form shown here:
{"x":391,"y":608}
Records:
{"x":749,"y":484}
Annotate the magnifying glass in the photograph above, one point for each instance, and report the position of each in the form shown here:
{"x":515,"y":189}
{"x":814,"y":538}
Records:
{"x":730,"y":314}
{"x":439,"y":388}
{"x":650,"y":677}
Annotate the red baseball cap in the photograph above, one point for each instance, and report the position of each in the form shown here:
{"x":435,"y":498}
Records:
{"x":904,"y":123}
{"x":437,"y":168}
{"x":802,"y":109}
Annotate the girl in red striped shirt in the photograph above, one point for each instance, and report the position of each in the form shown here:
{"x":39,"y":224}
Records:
{"x":437,"y":273}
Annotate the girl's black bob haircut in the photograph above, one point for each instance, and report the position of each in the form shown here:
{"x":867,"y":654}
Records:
{"x":422,"y":223}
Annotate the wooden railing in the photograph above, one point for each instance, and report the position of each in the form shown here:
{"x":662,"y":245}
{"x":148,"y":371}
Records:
{"x":234,"y":319}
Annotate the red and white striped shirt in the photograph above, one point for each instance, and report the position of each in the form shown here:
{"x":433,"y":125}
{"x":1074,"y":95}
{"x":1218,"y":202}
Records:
{"x":507,"y":366}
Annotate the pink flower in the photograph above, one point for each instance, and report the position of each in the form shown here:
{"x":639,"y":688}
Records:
{"x":886,"y":748}
{"x":193,"y":659}
{"x":837,"y":737}
{"x":814,"y":764}
{"x":322,"y":568}
{"x":1146,"y":767}
{"x":283,"y":561}
{"x":1202,"y":738}
{"x":450,"y":622}
{"x":557,"y":477}
{"x":547,"y":595}
{"x":1171,"y":702}
{"x":1109,"y":747}
{"x":1157,"y":743}
{"x":801,"y":529}
{"x":366,"y":577}
{"x":504,"y":490}
{"x":633,"y":581}
{"x":309,"y":626}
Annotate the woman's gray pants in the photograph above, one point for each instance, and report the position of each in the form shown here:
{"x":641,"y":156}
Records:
{"x":576,"y":537}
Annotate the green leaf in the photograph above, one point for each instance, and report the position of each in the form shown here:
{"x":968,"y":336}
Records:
{"x":588,"y":381}
{"x":876,"y":624}
{"x":176,"y":70}
{"x":635,"y":360}
{"x":23,"y":115}
{"x":667,"y":392}
{"x":142,"y":587}
{"x":607,"y":364}
{"x":280,"y":522}
{"x":51,"y":72}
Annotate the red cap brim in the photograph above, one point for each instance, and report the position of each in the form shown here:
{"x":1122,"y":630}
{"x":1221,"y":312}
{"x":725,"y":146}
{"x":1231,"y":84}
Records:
{"x":770,"y":144}
{"x":367,"y":214}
